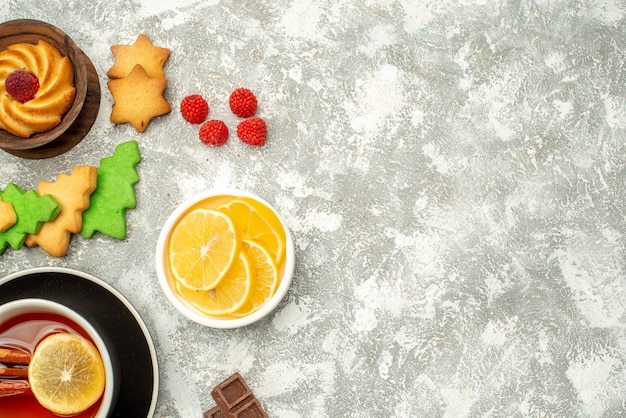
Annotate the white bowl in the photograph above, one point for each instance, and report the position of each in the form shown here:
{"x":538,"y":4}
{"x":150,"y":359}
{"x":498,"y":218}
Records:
{"x":19,"y":307}
{"x":167,"y":282}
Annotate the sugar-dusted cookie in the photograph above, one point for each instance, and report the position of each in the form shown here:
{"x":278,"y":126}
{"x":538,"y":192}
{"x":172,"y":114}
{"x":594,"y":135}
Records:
{"x":143,"y":52}
{"x":138,"y":98}
{"x":72,"y":192}
{"x":32,"y":211}
{"x":7,"y":215}
{"x":115,"y":193}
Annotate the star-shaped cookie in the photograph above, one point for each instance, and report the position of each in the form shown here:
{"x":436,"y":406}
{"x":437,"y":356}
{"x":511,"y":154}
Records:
{"x":138,"y":98}
{"x":152,"y":58}
{"x":7,"y":215}
{"x":72,"y":192}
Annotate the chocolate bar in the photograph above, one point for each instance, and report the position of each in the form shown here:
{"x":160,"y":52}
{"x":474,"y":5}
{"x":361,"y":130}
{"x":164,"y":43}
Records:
{"x":235,"y":399}
{"x":214,"y":412}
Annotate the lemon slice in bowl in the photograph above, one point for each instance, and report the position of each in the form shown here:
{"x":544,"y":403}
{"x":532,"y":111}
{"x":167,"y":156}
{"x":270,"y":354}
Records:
{"x":229,"y":295}
{"x":203,"y":247}
{"x":66,"y":373}
{"x":257,"y":223}
{"x":265,"y":278}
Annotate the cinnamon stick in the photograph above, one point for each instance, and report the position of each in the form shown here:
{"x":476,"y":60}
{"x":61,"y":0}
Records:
{"x":14,"y":388}
{"x":13,"y":372}
{"x":14,"y":356}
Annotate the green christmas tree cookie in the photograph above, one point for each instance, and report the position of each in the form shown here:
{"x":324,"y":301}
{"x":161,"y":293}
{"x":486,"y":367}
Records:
{"x":114,"y":194}
{"x":32,"y":211}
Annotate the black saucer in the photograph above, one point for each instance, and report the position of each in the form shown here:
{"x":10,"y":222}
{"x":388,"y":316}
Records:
{"x":116,"y":320}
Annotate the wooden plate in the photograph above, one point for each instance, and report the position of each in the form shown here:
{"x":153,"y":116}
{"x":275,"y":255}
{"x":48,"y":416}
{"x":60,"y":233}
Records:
{"x":77,"y":122}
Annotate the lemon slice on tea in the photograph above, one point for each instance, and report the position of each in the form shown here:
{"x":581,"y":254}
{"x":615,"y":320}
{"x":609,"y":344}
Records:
{"x":228,"y":295}
{"x":66,"y":373}
{"x":265,"y":278}
{"x":257,"y":223}
{"x":203,"y":246}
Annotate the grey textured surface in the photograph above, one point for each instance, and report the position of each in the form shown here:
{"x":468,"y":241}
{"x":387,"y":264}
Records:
{"x":453,"y":175}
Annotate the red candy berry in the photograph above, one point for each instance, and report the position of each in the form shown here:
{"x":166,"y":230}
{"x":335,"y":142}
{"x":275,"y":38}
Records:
{"x":213,"y":133}
{"x":194,"y":108}
{"x":22,"y":86}
{"x":243,"y":103}
{"x":252,"y":131}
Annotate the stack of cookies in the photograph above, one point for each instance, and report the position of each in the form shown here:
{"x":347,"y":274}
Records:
{"x":137,"y":83}
{"x":86,"y":201}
